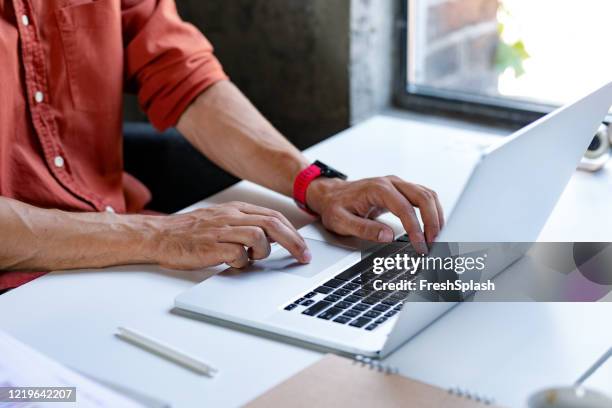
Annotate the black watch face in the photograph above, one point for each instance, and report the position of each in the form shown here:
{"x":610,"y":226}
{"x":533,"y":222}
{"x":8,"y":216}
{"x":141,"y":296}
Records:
{"x":329,"y":172}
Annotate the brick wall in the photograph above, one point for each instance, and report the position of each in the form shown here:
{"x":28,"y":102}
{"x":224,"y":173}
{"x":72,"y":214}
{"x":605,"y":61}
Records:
{"x":458,"y":44}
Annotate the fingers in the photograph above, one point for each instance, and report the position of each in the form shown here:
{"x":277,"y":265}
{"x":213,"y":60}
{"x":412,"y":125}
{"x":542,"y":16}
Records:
{"x":440,"y":212}
{"x":276,"y":226}
{"x":428,"y":204}
{"x":346,"y":223}
{"x":235,"y":255}
{"x":257,"y":210}
{"x":278,"y":231}
{"x":399,"y":205}
{"x":233,"y":233}
{"x":253,"y":238}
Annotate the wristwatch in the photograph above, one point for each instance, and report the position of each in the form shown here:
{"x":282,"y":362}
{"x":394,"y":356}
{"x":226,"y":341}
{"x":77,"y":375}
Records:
{"x":306,"y":176}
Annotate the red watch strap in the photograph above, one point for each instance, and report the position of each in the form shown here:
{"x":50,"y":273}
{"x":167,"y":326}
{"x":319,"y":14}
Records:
{"x":300,"y":186}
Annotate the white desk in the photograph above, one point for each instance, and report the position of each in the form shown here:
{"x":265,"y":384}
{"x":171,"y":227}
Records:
{"x":504,"y":350}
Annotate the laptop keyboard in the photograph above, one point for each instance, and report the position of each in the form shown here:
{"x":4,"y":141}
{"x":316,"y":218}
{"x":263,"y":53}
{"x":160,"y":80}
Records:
{"x":343,"y":299}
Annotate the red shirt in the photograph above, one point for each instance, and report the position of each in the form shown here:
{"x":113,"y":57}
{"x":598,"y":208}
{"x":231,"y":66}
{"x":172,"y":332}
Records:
{"x":65,"y":65}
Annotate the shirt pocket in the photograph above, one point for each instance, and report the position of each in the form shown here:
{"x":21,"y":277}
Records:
{"x":93,"y":50}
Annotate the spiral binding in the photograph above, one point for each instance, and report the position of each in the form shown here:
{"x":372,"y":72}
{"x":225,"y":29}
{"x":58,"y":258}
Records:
{"x":373,"y":364}
{"x":459,"y":392}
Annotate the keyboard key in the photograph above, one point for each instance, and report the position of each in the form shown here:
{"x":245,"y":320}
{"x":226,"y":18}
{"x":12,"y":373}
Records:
{"x":368,"y":276}
{"x":316,"y":308}
{"x":342,"y":292}
{"x":310,"y":295}
{"x":398,"y":307}
{"x":360,"y":293}
{"x":391,"y":313}
{"x":370,"y":301}
{"x":291,"y":306}
{"x":360,"y":322}
{"x":333,"y":283}
{"x":365,"y":265}
{"x":399,"y":295}
{"x":323,"y":289}
{"x":351,"y":272}
{"x":381,"y":307}
{"x":390,"y":301}
{"x":351,"y":313}
{"x":388,"y":276}
{"x":351,"y":286}
{"x":352,"y":299}
{"x":379,"y":295}
{"x":342,"y":319}
{"x":361,"y":307}
{"x":329,"y":313}
{"x":332,"y":298}
{"x":357,"y":280}
{"x":343,"y":305}
{"x":299,"y":301}
{"x":386,"y":250}
{"x":307,"y":302}
{"x":372,"y":314}
{"x":380,"y":320}
{"x":372,"y":326}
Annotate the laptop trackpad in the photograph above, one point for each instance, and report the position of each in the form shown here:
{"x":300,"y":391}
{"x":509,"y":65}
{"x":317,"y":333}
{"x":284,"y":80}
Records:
{"x":324,"y":255}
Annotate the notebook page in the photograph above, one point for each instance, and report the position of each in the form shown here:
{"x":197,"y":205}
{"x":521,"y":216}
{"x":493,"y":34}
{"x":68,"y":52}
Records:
{"x":22,"y":366}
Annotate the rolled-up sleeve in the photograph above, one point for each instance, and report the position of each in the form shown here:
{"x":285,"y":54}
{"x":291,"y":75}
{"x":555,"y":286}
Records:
{"x":168,"y":62}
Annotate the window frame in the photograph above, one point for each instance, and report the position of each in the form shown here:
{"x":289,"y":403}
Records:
{"x":480,"y":108}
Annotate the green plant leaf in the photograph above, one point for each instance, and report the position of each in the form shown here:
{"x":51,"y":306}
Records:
{"x":511,"y":56}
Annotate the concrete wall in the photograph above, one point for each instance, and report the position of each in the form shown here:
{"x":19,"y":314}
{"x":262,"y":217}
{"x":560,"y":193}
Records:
{"x":374,"y":56}
{"x":313,"y":67}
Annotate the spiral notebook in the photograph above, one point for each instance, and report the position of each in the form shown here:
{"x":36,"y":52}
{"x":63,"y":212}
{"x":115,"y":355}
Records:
{"x":337,"y":382}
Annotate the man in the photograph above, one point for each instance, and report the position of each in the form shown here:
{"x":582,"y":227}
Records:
{"x":65,"y":200}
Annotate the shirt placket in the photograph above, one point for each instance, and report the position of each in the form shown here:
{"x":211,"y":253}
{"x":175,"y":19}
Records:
{"x":37,"y":92}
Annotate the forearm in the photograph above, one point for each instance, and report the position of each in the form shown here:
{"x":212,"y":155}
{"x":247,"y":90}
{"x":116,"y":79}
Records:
{"x":229,"y":130}
{"x":44,"y":240}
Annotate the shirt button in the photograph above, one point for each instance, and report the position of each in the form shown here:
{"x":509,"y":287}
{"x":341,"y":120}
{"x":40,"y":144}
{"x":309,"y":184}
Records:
{"x":58,"y":161}
{"x":109,"y":209}
{"x":39,"y":97}
{"x":25,"y":20}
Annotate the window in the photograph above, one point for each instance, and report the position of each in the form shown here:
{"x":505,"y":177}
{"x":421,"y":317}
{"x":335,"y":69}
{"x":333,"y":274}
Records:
{"x":510,"y":59}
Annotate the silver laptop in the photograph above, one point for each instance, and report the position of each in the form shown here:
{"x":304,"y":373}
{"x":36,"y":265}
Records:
{"x":508,"y":198}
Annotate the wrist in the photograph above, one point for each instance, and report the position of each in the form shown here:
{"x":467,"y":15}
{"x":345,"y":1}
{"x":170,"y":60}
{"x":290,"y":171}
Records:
{"x":142,"y":237}
{"x":320,"y":190}
{"x":66,"y":240}
{"x":314,"y":184}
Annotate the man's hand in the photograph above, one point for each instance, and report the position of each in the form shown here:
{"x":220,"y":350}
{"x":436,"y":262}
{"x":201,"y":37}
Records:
{"x":254,"y":150}
{"x":349,"y":208}
{"x":233,"y":233}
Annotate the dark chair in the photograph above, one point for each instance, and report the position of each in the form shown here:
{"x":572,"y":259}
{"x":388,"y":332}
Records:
{"x":175,"y":172}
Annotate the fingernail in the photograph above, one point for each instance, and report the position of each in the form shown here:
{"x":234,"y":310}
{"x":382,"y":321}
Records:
{"x":385,"y":236}
{"x":306,"y":256}
{"x":421,"y":247}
